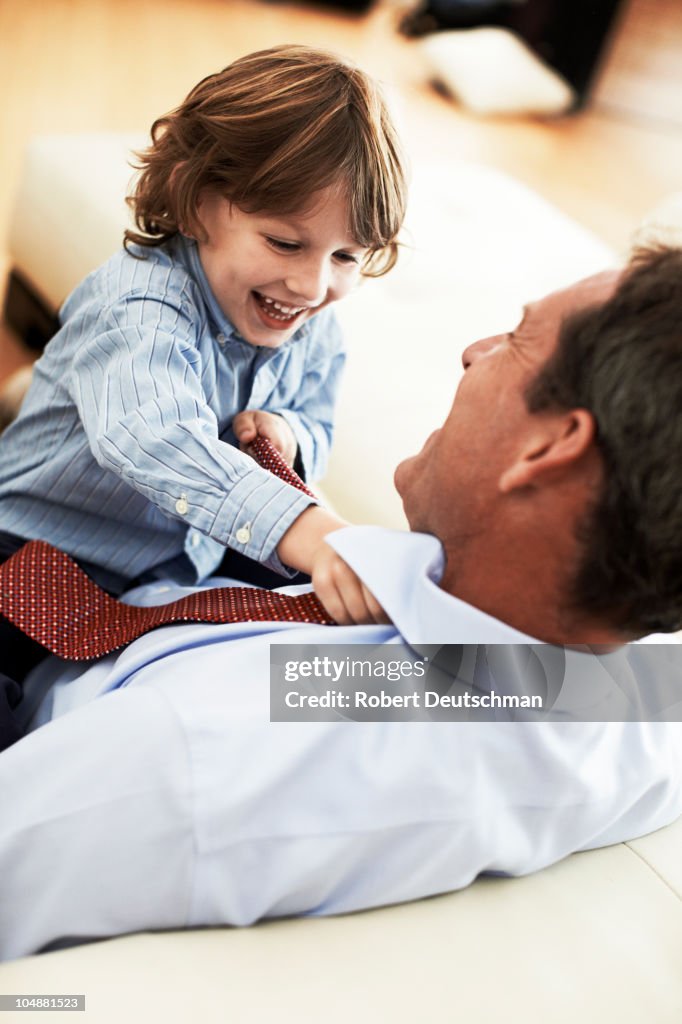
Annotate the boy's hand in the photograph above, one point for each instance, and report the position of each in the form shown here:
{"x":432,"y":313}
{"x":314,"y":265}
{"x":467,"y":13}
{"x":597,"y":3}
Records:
{"x":256,"y":421}
{"x":342,"y":593}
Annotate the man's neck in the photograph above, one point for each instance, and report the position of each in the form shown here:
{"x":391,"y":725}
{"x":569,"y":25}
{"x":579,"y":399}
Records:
{"x":526,"y":596}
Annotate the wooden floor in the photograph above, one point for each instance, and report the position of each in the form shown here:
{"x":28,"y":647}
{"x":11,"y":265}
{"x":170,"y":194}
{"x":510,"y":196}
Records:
{"x":642,"y":76}
{"x":114,"y":65}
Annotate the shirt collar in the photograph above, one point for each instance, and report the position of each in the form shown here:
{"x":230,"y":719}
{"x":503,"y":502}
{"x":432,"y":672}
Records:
{"x":403,"y":571}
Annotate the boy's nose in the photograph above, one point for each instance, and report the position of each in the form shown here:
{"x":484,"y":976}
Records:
{"x":309,"y":282}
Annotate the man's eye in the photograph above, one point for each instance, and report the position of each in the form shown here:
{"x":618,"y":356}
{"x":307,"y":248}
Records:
{"x":282,"y":246}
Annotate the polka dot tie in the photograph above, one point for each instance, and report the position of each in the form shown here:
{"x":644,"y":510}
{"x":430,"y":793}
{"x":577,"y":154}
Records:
{"x":47,"y":596}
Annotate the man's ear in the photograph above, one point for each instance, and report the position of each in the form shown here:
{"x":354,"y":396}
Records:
{"x":556,"y":443}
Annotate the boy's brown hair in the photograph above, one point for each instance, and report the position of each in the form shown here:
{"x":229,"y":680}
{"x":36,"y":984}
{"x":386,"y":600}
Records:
{"x":267,"y":132}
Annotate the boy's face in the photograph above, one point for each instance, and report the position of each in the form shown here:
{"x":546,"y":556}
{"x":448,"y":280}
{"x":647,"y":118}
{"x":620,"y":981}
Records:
{"x":272,"y":272}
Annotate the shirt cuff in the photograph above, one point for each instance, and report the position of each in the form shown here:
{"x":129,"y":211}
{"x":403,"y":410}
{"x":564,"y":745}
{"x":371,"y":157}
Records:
{"x":255,"y":516}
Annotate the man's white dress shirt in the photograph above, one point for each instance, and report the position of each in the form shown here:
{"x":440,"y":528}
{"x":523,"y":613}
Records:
{"x":161,"y":796}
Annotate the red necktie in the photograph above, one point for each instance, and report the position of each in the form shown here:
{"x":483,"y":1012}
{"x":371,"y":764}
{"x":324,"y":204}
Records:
{"x":47,"y":596}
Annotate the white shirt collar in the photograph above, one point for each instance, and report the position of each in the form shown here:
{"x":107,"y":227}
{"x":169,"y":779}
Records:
{"x":403,"y":570}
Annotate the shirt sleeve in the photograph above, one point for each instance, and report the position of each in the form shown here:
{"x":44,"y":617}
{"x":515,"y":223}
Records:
{"x":311,"y":415}
{"x":136,"y":382}
{"x":129,"y":781}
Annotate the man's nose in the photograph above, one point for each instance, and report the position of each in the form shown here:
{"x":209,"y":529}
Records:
{"x":478,"y":349}
{"x":309,"y":281}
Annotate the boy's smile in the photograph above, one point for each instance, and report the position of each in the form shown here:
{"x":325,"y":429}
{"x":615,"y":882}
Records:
{"x":275,"y":314}
{"x":272,"y":272}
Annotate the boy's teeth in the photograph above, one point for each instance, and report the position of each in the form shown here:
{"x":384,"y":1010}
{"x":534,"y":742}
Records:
{"x":288,"y":311}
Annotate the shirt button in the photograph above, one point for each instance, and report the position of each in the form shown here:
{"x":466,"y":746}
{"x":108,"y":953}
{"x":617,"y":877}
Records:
{"x":221,"y":339}
{"x":243,"y":535}
{"x":181,"y":506}
{"x":195,"y":540}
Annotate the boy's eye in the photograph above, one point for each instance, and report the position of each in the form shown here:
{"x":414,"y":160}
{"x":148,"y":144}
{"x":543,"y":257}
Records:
{"x":282,"y":246}
{"x":347,"y":257}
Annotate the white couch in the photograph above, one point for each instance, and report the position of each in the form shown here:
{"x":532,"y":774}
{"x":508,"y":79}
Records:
{"x":595,"y":938}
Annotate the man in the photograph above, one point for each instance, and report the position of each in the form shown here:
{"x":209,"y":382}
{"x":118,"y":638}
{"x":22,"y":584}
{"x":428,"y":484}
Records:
{"x":547,"y":508}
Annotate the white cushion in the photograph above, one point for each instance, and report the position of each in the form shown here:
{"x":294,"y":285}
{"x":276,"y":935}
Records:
{"x":492,"y":71}
{"x":69,"y":212}
{"x":480,"y":245}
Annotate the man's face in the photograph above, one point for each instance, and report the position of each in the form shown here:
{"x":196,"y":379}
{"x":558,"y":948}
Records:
{"x":451,"y":487}
{"x":269,"y":272}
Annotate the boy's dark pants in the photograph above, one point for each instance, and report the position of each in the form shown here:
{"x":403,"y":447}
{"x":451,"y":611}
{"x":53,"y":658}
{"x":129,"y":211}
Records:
{"x":18,"y":655}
